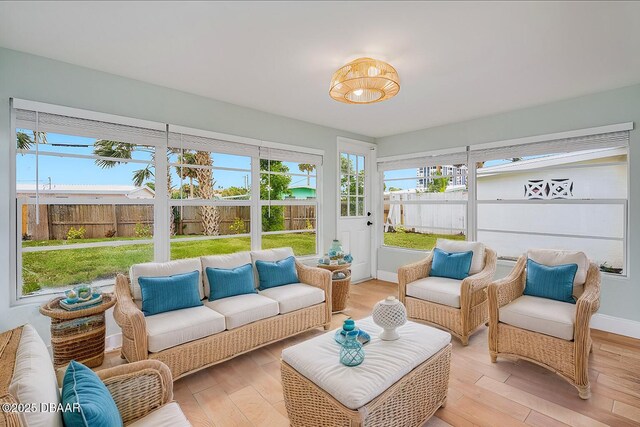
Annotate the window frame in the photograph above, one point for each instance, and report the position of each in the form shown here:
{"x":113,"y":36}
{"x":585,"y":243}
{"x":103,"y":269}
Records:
{"x":161,"y":203}
{"x":473,"y":202}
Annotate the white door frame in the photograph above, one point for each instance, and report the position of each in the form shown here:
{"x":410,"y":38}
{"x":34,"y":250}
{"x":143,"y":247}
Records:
{"x":373,"y":185}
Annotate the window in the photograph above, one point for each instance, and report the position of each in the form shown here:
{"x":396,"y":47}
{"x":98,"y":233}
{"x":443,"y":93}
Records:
{"x":422,"y":204}
{"x":91,"y":200}
{"x":288,"y":200}
{"x":352,"y":185}
{"x":566,"y":194}
{"x":209,"y":197}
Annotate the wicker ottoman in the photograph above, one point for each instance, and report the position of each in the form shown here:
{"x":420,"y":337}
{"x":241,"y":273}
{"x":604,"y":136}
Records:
{"x":400,"y":383}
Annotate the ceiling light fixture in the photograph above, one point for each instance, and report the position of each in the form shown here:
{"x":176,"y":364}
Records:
{"x":364,"y":81}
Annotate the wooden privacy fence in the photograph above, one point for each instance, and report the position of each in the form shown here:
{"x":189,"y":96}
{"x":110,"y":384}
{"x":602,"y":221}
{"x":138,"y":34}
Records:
{"x":100,"y":220}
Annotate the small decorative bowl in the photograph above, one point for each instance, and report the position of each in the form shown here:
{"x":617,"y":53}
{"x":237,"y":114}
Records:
{"x":72,"y":296}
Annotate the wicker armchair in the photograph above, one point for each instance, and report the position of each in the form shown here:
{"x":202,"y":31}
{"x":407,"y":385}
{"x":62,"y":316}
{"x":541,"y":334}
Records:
{"x":460,"y":322}
{"x":568,"y":358}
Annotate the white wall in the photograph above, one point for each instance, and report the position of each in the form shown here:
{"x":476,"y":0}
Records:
{"x":35,"y":78}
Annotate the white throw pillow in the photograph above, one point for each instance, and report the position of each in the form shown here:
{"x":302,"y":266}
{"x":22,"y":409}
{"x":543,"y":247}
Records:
{"x":477,"y":262}
{"x":160,"y":269}
{"x":553,"y":257}
{"x":226,"y":261}
{"x":34,"y":379}
{"x":268,"y":255}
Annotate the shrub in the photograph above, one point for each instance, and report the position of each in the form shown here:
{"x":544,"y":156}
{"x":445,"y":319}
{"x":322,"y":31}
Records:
{"x":142,"y":230}
{"x":76,"y":234}
{"x":238,"y":227}
{"x":110,"y":233}
{"x":309,"y":224}
{"x":400,"y":229}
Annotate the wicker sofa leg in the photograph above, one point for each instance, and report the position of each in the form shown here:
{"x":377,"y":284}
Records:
{"x":464,"y":339}
{"x":494,"y":356}
{"x":584,"y":391}
{"x":327,"y":326}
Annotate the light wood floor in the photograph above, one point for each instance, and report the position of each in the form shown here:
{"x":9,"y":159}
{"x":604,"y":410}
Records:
{"x":246,"y":391}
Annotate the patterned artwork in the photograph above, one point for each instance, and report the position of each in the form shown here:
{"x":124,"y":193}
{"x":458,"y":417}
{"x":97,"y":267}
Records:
{"x":548,"y":189}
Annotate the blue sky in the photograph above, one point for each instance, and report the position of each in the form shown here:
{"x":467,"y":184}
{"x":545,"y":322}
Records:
{"x":85,"y":171}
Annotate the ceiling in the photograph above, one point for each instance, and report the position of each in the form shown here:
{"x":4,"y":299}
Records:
{"x":456,"y":60}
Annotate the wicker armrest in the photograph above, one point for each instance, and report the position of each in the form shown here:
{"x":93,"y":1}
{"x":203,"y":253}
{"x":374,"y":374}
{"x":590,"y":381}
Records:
{"x":479,"y":281}
{"x":131,"y":320}
{"x":412,"y":272}
{"x":138,"y":388}
{"x":502,"y":292}
{"x":589,"y":301}
{"x":315,"y":277}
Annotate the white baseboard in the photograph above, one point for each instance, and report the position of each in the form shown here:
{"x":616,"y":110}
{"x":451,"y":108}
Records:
{"x":616,"y":325}
{"x":113,"y":341}
{"x":602,"y":322}
{"x":387,"y":276}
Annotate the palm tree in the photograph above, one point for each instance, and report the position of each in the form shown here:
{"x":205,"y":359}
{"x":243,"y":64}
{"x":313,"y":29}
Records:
{"x":209,"y":214}
{"x":186,"y":172}
{"x":25,"y":141}
{"x":308,"y":168}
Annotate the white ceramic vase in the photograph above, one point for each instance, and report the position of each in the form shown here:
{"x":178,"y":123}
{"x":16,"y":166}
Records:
{"x":389,"y":314}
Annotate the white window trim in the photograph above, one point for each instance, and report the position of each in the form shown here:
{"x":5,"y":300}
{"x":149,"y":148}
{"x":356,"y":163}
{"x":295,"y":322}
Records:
{"x":161,"y":202}
{"x":472,"y":202}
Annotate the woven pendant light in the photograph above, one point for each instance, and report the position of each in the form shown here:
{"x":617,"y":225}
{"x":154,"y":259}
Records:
{"x":364,"y":81}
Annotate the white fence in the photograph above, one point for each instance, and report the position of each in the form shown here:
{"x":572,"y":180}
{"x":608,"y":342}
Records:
{"x":441,"y":213}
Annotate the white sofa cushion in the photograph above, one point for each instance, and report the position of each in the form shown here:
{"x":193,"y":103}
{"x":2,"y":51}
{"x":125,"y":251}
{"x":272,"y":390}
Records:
{"x":158,"y":269}
{"x":440,"y":290}
{"x":242,"y":309}
{"x":34,"y":379}
{"x":294,"y":296}
{"x":226,"y":261}
{"x":385,"y":362}
{"x":172,"y":328}
{"x":477,"y":262}
{"x":547,"y":316}
{"x":169,"y":415}
{"x":268,"y":255}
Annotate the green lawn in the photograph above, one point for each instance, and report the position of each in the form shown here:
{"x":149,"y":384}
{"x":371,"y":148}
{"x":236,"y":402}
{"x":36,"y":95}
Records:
{"x":417,"y":240}
{"x":47,"y":269}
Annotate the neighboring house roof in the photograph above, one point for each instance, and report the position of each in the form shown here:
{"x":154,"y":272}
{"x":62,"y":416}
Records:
{"x":306,"y":187}
{"x":80,"y":189}
{"x":553,"y":160}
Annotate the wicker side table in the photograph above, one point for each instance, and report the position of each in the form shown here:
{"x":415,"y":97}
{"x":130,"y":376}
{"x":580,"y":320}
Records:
{"x":78,"y":335}
{"x":339,"y":287}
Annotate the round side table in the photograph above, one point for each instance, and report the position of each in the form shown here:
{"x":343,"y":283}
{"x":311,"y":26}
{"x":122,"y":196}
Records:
{"x":80,"y":334}
{"x":339,"y":287}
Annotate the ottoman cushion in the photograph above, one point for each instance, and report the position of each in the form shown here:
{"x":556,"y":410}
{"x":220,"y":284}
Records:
{"x":385,"y":362}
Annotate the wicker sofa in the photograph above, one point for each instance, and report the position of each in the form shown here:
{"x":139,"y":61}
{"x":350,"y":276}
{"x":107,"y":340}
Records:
{"x":142,"y":391}
{"x":460,"y":307}
{"x":191,"y":339}
{"x":551,"y":333}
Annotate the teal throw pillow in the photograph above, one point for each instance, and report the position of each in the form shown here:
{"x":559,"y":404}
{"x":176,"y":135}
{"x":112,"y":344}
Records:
{"x":277,"y":273}
{"x":83,"y":387}
{"x":554,"y":282}
{"x":225,"y":283}
{"x":168,"y":293}
{"x":452,"y":265}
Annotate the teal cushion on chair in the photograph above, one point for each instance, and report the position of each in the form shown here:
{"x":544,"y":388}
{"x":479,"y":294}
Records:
{"x":452,"y":265}
{"x":97,"y":408}
{"x":225,"y":283}
{"x":551,"y":282}
{"x":168,"y":293}
{"x":277,"y":273}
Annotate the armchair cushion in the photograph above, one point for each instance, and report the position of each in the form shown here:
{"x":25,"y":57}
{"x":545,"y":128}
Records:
{"x":83,"y":387}
{"x":550,"y":282}
{"x":440,"y":290}
{"x":294,"y":296}
{"x":167,"y":293}
{"x":453,"y":265}
{"x":243,"y":309}
{"x":169,"y":415}
{"x":546,"y":316}
{"x":166,"y":330}
{"x":478,"y":249}
{"x":552,"y":257}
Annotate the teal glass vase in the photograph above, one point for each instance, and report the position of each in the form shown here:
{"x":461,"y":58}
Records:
{"x":336,"y":249}
{"x":351,"y":352}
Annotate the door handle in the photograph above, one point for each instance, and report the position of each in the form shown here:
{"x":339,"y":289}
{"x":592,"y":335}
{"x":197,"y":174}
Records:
{"x":369,"y":223}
